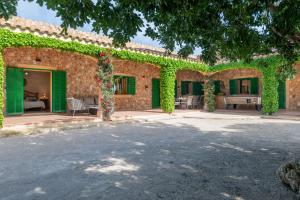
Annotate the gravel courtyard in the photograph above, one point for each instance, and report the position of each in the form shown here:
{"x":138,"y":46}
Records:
{"x":187,"y":157}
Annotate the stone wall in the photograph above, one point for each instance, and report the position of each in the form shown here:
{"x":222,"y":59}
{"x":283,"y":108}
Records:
{"x":143,"y":73}
{"x":293,"y":91}
{"x":186,"y":75}
{"x":225,"y":76}
{"x":81,"y":70}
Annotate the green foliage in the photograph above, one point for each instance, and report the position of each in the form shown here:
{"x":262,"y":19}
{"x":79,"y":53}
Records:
{"x":8,"y":8}
{"x":270,"y":90}
{"x":267,"y":66}
{"x":236,"y":30}
{"x":209,"y":95}
{"x":167,"y":84}
{"x":286,"y":72}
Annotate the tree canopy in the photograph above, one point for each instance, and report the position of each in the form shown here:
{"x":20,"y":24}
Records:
{"x":231,"y":29}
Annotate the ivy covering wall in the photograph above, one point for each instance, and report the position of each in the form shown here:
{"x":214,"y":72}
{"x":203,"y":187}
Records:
{"x":169,"y":66}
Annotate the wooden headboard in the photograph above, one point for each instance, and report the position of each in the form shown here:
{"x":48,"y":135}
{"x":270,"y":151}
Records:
{"x":31,"y":94}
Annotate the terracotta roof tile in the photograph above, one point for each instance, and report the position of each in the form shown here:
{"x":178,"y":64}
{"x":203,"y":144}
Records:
{"x":19,"y":24}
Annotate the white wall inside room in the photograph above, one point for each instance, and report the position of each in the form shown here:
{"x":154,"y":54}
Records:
{"x":37,"y":81}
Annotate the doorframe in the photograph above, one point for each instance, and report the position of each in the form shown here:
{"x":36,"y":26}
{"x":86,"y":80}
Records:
{"x":50,"y":82}
{"x":37,"y":69}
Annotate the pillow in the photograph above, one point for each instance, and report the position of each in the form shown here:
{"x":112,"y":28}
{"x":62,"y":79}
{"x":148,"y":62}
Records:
{"x":31,"y":99}
{"x":89,"y":100}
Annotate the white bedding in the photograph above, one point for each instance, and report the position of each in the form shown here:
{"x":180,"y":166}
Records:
{"x":34,"y":104}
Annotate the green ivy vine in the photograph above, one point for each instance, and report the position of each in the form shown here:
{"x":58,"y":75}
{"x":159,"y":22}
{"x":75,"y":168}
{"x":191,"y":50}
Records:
{"x":209,"y":95}
{"x":169,"y":66}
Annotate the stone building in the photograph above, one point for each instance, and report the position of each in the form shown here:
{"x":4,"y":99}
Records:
{"x":137,"y":85}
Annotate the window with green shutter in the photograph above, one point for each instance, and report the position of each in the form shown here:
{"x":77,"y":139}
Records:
{"x":124,"y":85}
{"x":59,"y":82}
{"x":185,"y":87}
{"x":14,"y":91}
{"x":131,"y":85}
{"x":244,"y":86}
{"x":197,"y":88}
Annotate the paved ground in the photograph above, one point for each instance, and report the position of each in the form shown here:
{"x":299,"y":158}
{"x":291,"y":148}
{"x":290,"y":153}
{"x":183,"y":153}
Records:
{"x":187,"y":157}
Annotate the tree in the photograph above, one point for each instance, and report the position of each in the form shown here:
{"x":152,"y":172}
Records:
{"x":231,"y":29}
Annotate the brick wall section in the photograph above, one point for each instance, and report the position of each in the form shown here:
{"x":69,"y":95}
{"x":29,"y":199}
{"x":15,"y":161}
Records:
{"x":185,"y":75}
{"x":143,"y":73}
{"x":293,"y":91}
{"x":225,"y":76}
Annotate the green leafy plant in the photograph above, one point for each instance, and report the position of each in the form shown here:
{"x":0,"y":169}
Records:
{"x":209,"y":95}
{"x":286,"y":72}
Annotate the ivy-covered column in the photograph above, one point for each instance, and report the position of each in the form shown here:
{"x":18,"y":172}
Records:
{"x":270,"y":90}
{"x":1,"y":86}
{"x":167,"y":85}
{"x":209,"y":96}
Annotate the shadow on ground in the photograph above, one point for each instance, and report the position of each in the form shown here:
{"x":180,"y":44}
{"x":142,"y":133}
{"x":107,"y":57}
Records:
{"x":177,"y":159}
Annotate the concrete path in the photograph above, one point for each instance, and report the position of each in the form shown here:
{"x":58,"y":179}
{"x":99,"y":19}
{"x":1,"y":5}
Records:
{"x":195,"y":156}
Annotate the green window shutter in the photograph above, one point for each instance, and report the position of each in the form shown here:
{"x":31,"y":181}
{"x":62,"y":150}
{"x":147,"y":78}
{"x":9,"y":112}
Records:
{"x":254,"y":86}
{"x":197,"y":88}
{"x":233,"y":86}
{"x":59,"y":91}
{"x":131,"y":85}
{"x":14,"y":91}
{"x":184,"y":87}
{"x":155,"y":93}
{"x":282,"y":95}
{"x":175,"y":89}
{"x":217,"y":87}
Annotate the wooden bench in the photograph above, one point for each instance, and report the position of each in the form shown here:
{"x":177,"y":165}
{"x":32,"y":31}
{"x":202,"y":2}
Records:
{"x":243,"y":100}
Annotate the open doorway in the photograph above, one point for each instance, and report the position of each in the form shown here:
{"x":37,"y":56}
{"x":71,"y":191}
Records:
{"x":36,"y":91}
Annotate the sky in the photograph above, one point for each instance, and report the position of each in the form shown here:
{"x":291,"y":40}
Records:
{"x":31,"y":10}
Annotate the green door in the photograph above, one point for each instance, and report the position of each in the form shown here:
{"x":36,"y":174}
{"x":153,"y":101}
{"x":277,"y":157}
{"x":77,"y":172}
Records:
{"x":14,"y":91}
{"x":175,"y":89}
{"x":281,"y":94}
{"x":58,"y":91}
{"x":155,"y":93}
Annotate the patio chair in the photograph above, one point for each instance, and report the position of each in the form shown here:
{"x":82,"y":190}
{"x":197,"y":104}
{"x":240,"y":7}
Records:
{"x":177,"y":102}
{"x":189,"y":102}
{"x":196,"y":102}
{"x":75,"y":105}
{"x":183,"y":102}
